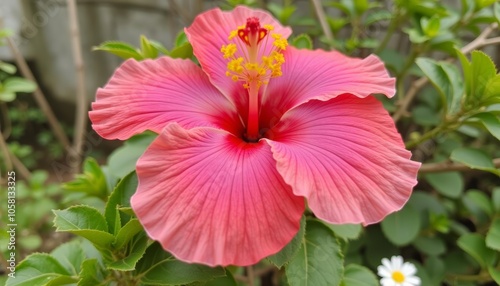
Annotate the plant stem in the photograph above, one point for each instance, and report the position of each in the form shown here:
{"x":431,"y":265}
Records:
{"x":251,"y":276}
{"x":449,"y":166}
{"x":11,"y":161}
{"x":81,"y":100}
{"x":322,"y":20}
{"x":39,"y":96}
{"x":393,"y":25}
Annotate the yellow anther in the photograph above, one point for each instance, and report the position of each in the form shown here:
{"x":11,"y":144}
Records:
{"x":267,"y":61}
{"x":232,"y":34}
{"x":235,"y":65}
{"x":246,"y":85}
{"x":281,"y":43}
{"x":262,"y":71}
{"x":278,"y":57}
{"x":276,"y":36}
{"x":251,"y":66}
{"x":269,"y":27}
{"x":234,"y":78}
{"x":241,"y":27}
{"x":276,"y":71}
{"x":228,"y":50}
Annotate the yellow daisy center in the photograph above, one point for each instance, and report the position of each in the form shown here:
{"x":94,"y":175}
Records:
{"x":398,"y":276}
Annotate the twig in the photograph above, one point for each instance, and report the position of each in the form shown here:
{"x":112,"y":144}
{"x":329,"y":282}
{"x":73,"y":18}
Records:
{"x":480,"y":41}
{"x":250,"y":275}
{"x":449,"y":166}
{"x":39,"y":96}
{"x":322,"y":20}
{"x":81,"y":99}
{"x":11,"y":161}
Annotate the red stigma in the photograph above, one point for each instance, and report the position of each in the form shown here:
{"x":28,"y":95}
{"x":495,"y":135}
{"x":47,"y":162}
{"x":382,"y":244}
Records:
{"x":252,"y":29}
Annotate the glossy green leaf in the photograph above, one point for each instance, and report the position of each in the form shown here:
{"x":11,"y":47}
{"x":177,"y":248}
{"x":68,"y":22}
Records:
{"x":495,"y":274}
{"x":431,"y":26}
{"x":283,"y":256}
{"x":18,"y":84}
{"x":357,"y":275}
{"x":160,"y":268}
{"x":474,"y":244}
{"x":493,"y":235}
{"x":127,"y":232}
{"x":474,"y":158}
{"x":490,"y":122}
{"x":302,"y":41}
{"x":40,"y":269}
{"x":135,"y":250}
{"x":121,"y":49}
{"x":436,"y":269}
{"x":84,"y":221}
{"x":122,"y":161}
{"x":402,"y":227}
{"x":346,"y":231}
{"x":482,"y":70}
{"x":184,"y":51}
{"x":92,"y":274}
{"x":120,"y":197}
{"x":495,"y":197}
{"x":319,"y":261}
{"x":7,"y":96}
{"x":159,"y":47}
{"x":148,"y":51}
{"x":92,"y":181}
{"x":181,"y":39}
{"x":430,"y":245}
{"x":449,"y":184}
{"x":70,"y":255}
{"x":467,"y":71}
{"x":8,"y":68}
{"x":480,"y":200}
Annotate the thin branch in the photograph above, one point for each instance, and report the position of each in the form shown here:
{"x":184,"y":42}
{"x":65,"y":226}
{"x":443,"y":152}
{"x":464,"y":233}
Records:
{"x":11,"y":161}
{"x":250,"y":275}
{"x":39,"y":96}
{"x":480,"y":41}
{"x":450,"y":166}
{"x":322,"y":20}
{"x":81,"y":99}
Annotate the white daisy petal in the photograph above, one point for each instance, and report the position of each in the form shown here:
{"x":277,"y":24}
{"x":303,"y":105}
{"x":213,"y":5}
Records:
{"x":387,"y":282}
{"x":408,"y":269}
{"x":397,"y":262}
{"x":383,"y":271}
{"x":387,"y":264}
{"x":414,"y":280}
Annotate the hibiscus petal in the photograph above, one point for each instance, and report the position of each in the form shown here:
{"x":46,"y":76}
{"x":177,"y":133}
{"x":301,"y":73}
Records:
{"x":322,"y":75}
{"x":346,"y":157}
{"x":209,"y":197}
{"x":148,"y":95}
{"x":210,"y":31}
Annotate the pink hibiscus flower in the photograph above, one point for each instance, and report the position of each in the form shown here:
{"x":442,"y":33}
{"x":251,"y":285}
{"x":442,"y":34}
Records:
{"x":246,"y":137}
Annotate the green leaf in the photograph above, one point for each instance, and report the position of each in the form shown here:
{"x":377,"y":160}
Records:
{"x":431,"y":26}
{"x":480,"y":200}
{"x":319,"y":261}
{"x":184,"y":51}
{"x":84,"y":221}
{"x":181,"y":39}
{"x":7,"y":96}
{"x":8,"y":68}
{"x":346,"y":231}
{"x":221,"y":281}
{"x":357,"y":275}
{"x":490,"y":122}
{"x":92,"y":274}
{"x":70,"y":255}
{"x":160,"y":268}
{"x":495,"y":197}
{"x":433,"y":246}
{"x":474,"y":158}
{"x":482,"y":70}
{"x":493,"y":235}
{"x":40,"y":269}
{"x":492,"y":91}
{"x":120,"y":197}
{"x":448,"y":184}
{"x":302,"y":41}
{"x":402,"y":227}
{"x":496,"y":12}
{"x":92,"y":181}
{"x":127,"y":232}
{"x":122,"y":161}
{"x":159,"y":47}
{"x":135,"y":250}
{"x":148,"y":51}
{"x":475,"y":246}
{"x":494,"y":273}
{"x":467,"y":70}
{"x":121,"y":49}
{"x":18,"y":84}
{"x":281,"y":258}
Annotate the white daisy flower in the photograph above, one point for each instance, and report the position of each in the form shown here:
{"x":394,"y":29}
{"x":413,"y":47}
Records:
{"x":396,"y":272}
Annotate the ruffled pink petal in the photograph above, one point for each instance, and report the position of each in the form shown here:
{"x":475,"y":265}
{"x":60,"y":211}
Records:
{"x":210,"y":31}
{"x":148,"y":95}
{"x":210,"y":198}
{"x":346,"y":157}
{"x":322,"y":75}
